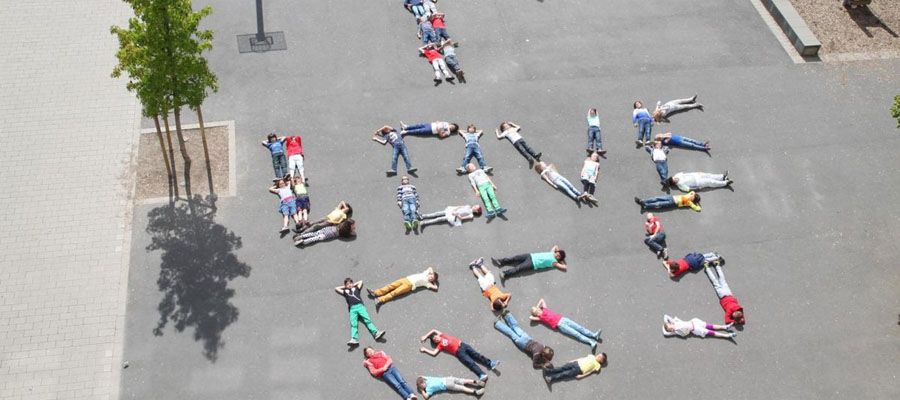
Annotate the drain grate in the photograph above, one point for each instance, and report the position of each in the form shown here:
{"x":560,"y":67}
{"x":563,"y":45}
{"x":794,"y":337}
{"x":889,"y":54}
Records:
{"x":249,"y":44}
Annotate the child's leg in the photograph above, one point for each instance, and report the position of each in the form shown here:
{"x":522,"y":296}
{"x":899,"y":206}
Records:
{"x":567,"y":187}
{"x":519,"y":268}
{"x":406,"y":160}
{"x":470,"y":151}
{"x":479,"y":157}
{"x":568,"y":327}
{"x":394,"y":156}
{"x":433,"y":215}
{"x":488,"y":205}
{"x":314,"y":237}
{"x":517,"y":259}
{"x":519,"y":145}
{"x":364,"y":316}
{"x":403,"y":286}
{"x":354,"y":321}
{"x":286,"y":220}
{"x":529,"y":149}
{"x":419,"y":129}
{"x":433,"y":221}
{"x":462,"y":354}
{"x":437,"y":76}
{"x":489,"y":192}
{"x":443,"y":66}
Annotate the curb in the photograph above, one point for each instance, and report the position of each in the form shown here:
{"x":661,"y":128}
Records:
{"x":798,"y":33}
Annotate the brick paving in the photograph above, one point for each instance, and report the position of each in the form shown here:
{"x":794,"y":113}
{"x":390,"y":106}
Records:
{"x":67,"y":132}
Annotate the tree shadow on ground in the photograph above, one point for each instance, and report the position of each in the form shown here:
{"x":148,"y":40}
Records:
{"x":197,"y":264}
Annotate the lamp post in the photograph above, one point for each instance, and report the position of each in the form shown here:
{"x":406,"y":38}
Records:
{"x":261,"y":41}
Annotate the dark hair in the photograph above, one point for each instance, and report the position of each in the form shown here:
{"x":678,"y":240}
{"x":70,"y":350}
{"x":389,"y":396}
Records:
{"x":387,"y":129}
{"x":635,"y":105}
{"x":366,"y":349}
{"x":547,"y":353}
{"x":539,"y":168}
{"x":696,"y":198}
{"x":272,"y":136}
{"x":562,"y":255}
{"x":420,"y":383}
{"x":738,"y":316}
{"x":605,"y":358}
{"x":501,"y":125}
{"x":348,"y":280}
{"x":435,"y":277}
{"x":345,"y":229}
{"x":497,"y":305}
{"x":472,"y":126}
{"x":454,"y":127}
{"x":670,"y":181}
{"x":349,"y":211}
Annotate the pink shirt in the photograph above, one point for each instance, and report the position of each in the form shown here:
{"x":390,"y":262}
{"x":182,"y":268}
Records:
{"x":378,"y":361}
{"x":550,"y":318}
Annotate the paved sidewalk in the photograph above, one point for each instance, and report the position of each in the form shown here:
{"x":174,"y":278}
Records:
{"x":67,"y":132}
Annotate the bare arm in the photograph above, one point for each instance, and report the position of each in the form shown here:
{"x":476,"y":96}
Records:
{"x":533,"y":318}
{"x":546,"y":179}
{"x":432,"y":352}
{"x":273,"y":189}
{"x":429,"y":334}
{"x":554,"y":249}
{"x":479,"y":132}
{"x":561,"y":266}
{"x":541,"y":304}
{"x":338,"y":290}
{"x":499,"y":135}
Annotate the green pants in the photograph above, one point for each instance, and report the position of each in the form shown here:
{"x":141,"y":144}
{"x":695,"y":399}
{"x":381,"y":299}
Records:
{"x":487,"y":196}
{"x":357,"y":312}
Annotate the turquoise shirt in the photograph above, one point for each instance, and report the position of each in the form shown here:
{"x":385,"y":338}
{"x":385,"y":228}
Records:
{"x":594,"y":121}
{"x":434,"y":385}
{"x":543,"y":260}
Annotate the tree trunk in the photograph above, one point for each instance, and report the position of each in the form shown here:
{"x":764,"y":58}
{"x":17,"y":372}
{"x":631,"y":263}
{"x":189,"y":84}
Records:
{"x":185,"y":156}
{"x":171,"y":153}
{"x":162,"y":147}
{"x":209,"y":178}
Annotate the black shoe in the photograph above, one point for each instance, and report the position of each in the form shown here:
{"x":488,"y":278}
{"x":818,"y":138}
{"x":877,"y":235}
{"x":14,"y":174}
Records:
{"x":725,"y":175}
{"x":638,"y":201}
{"x":371,"y":294}
{"x":538,"y":156}
{"x":412,"y":170}
{"x":495,"y":262}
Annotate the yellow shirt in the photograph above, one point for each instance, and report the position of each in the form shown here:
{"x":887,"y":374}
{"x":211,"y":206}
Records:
{"x":336,"y":216}
{"x":588,"y":364}
{"x":684,"y":200}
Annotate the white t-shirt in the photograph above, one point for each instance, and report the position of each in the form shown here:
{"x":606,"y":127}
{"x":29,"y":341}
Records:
{"x":684,"y":328}
{"x":589,"y":170}
{"x":551,"y":174}
{"x":440,"y":126}
{"x":512,"y":134}
{"x":486,"y":281}
{"x":455,"y":215}
{"x":478,"y":177}
{"x":418,"y":280}
{"x":285,"y":193}
{"x":658,"y":154}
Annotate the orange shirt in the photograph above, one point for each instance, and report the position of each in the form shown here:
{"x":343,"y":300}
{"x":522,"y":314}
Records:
{"x":493,"y":293}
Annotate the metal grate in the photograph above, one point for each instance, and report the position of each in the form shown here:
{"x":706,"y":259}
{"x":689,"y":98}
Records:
{"x":274,"y":41}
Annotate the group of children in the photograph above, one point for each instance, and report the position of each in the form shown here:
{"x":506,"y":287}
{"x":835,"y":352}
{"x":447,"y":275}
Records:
{"x":381,"y":366}
{"x":437,"y":46}
{"x":655,"y":236}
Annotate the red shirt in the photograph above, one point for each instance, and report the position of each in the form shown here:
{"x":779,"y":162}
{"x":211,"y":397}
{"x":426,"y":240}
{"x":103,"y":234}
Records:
{"x":378,"y":361}
{"x":294,"y":145}
{"x":448,"y":343}
{"x":653,"y":226}
{"x":550,"y":318}
{"x":730,"y":305}
{"x":437,"y":22}
{"x":682,"y":267}
{"x":432,"y":54}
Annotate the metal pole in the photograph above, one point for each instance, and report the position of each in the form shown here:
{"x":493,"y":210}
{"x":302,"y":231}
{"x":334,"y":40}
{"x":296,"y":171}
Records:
{"x":260,"y":30}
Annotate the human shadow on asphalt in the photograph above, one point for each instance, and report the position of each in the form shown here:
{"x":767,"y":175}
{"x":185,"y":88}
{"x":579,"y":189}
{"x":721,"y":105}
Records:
{"x":198,"y":262}
{"x":865,"y":19}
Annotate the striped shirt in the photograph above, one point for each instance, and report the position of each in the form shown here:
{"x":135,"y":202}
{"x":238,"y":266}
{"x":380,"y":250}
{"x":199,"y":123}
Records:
{"x":406,"y":192}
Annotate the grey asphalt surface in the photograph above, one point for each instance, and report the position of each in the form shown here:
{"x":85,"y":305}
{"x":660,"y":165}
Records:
{"x":809,"y":232}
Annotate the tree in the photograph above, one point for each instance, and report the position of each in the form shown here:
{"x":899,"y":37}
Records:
{"x":136,"y":59}
{"x":164,"y":48}
{"x":895,"y":110}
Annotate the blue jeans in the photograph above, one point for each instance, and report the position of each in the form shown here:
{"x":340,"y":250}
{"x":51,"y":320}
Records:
{"x":419,"y":129}
{"x":656,"y":242}
{"x":279,"y":164}
{"x":511,"y":330}
{"x":594,"y":141}
{"x":567,"y":187}
{"x":577,"y":332}
{"x":441,"y":33}
{"x":662,"y":168}
{"x":395,"y":381}
{"x":692,"y":144}
{"x":658,"y":202}
{"x":409,"y":209}
{"x":473,"y":150}
{"x":452,"y":62}
{"x":400,"y":150}
{"x":471,"y":358}
{"x":428,"y":36}
{"x":645,"y":128}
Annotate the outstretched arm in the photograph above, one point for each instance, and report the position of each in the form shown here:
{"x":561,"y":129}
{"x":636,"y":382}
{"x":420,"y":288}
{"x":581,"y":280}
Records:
{"x":432,"y":352}
{"x":429,"y":334}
